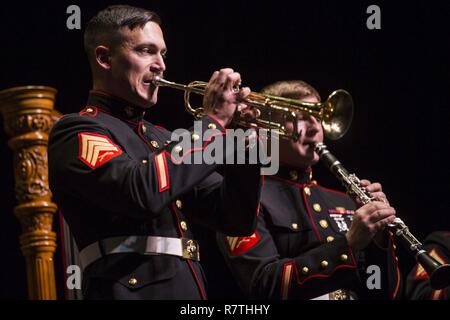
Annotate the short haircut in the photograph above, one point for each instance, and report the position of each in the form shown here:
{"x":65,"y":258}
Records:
{"x":293,"y":89}
{"x":105,"y":26}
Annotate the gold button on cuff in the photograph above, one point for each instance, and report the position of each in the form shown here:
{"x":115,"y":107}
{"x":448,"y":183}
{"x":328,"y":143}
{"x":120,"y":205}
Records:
{"x":307,"y":191}
{"x":144,"y":161}
{"x":211,"y":126}
{"x":179,"y":204}
{"x":344,"y":257}
{"x":305,"y":270}
{"x":183,"y":225}
{"x":323,"y":223}
{"x":317,"y":207}
{"x":324,"y":264}
{"x":330,"y":238}
{"x":294,"y":226}
{"x":90,"y":110}
{"x":293,"y":174}
{"x":144,"y":129}
{"x":155,"y":144}
{"x":195,"y":137}
{"x":178,"y":148}
{"x":132,"y":281}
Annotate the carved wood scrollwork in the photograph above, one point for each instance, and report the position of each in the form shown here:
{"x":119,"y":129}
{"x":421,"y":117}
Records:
{"x":28,"y":114}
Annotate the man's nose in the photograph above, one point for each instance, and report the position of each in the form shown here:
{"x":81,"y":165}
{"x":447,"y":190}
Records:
{"x":159,"y":66}
{"x":313,"y":125}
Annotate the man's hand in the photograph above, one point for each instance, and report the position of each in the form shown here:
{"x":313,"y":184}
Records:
{"x":369,"y":220}
{"x":375,"y":191}
{"x":220,"y":99}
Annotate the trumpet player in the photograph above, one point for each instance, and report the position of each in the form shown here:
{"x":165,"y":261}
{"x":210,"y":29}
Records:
{"x":128,"y":205}
{"x":312,"y":242}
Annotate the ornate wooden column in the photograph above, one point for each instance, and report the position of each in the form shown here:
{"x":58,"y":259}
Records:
{"x":28,"y":115}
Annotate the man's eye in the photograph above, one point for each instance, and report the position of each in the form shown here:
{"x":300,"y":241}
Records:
{"x":144,"y":50}
{"x":164,"y":56}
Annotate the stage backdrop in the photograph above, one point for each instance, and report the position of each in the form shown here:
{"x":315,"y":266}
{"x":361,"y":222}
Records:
{"x":398,"y":76}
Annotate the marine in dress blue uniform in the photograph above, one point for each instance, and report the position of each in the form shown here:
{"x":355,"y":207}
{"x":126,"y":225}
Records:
{"x":112,"y":174}
{"x":311,"y":242}
{"x":121,"y":182}
{"x":299,"y":249}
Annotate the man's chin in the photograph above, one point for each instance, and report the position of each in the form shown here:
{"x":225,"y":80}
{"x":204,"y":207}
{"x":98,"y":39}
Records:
{"x":145,"y":102}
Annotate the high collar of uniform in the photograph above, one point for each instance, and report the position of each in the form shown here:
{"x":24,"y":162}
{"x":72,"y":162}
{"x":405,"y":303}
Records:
{"x":115,"y":106}
{"x":303,"y":176}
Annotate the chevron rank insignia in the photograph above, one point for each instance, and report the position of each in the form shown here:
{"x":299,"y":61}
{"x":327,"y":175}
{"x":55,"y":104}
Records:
{"x":96,"y":149}
{"x":240,"y":245}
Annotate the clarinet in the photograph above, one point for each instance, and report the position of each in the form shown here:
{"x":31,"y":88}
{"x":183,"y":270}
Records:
{"x":439,"y":274}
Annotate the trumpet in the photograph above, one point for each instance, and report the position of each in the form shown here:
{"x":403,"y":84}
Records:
{"x":272,"y":112}
{"x":439,"y":273}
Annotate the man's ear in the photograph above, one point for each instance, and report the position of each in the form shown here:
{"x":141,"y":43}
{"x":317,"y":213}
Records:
{"x":103,"y":57}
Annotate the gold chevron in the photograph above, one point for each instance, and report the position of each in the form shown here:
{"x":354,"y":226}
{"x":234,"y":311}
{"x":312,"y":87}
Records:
{"x":91,"y":146}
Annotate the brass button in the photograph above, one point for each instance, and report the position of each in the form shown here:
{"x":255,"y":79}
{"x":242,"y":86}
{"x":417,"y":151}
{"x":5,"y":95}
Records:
{"x":178,"y":148}
{"x":183,"y":225}
{"x":324,"y":264}
{"x":317,"y":207}
{"x":155,"y":144}
{"x":314,"y":182}
{"x":90,"y":110}
{"x":144,"y":129}
{"x":144,"y":161}
{"x":179,"y":204}
{"x":132,"y":281}
{"x":330,"y":238}
{"x":323,"y":223}
{"x":307,"y":191}
{"x":212,"y":126}
{"x":305,"y":270}
{"x":344,"y":257}
{"x":294,"y":226}
{"x":293,"y":174}
{"x":195,"y":137}
{"x":394,"y":246}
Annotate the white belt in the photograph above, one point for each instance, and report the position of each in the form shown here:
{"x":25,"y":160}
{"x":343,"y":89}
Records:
{"x":145,"y":245}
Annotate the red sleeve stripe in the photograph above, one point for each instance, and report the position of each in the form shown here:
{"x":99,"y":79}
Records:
{"x":162,"y":172}
{"x":397,"y":270}
{"x":286,"y":279}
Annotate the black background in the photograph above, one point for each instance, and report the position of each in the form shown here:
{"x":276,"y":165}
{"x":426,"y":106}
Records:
{"x":398,"y":76}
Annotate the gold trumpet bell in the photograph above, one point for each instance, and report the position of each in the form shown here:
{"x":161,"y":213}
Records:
{"x":337,"y":114}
